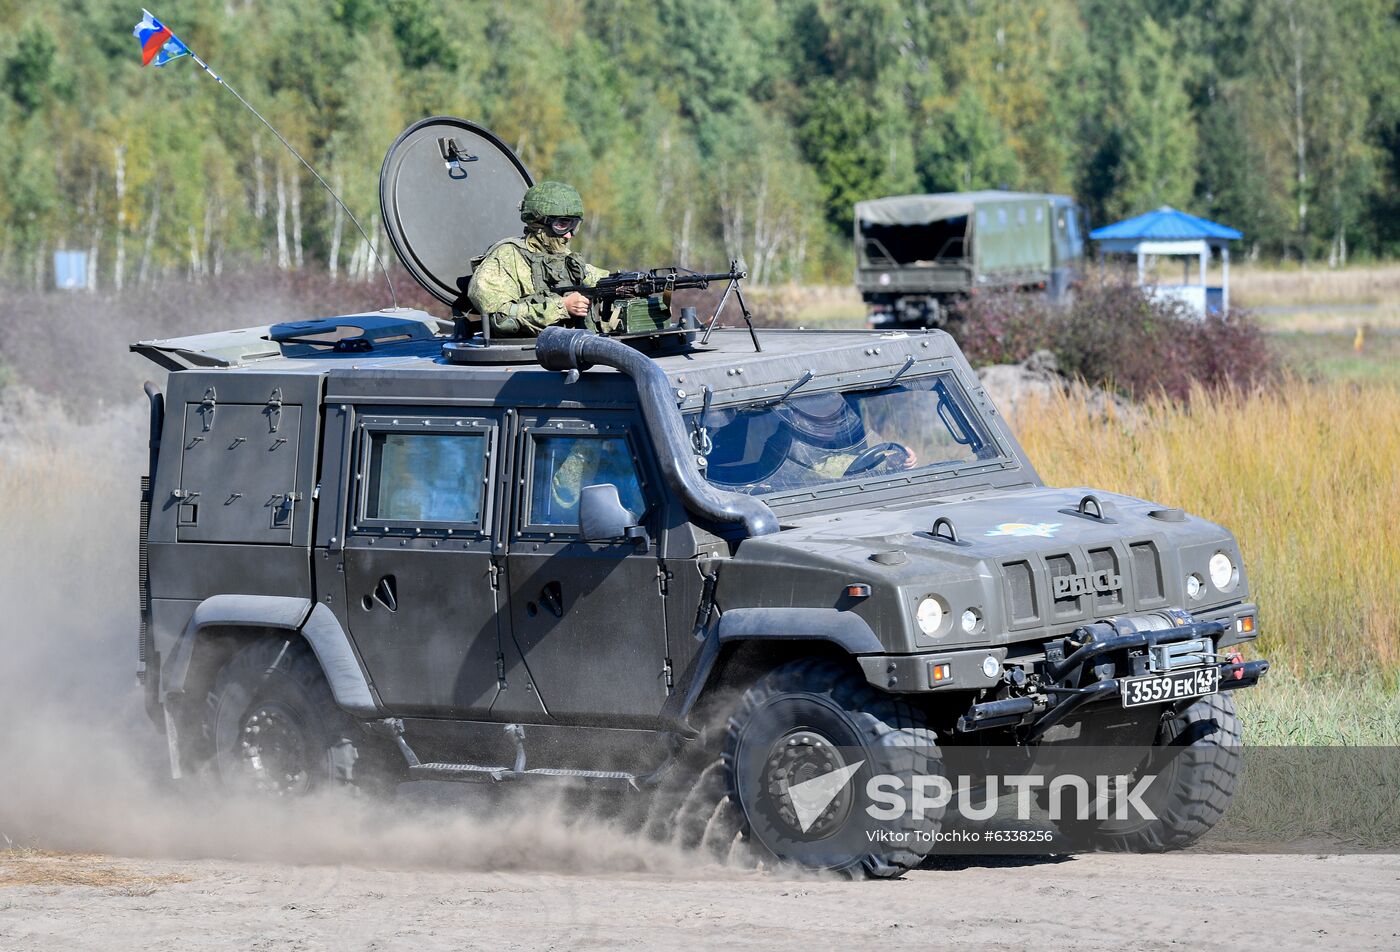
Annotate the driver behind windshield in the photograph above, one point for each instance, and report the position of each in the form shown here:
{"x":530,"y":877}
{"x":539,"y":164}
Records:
{"x":809,"y":439}
{"x":830,"y":437}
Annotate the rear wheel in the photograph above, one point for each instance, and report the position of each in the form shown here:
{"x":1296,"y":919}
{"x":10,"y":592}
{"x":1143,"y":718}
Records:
{"x":277,"y":731}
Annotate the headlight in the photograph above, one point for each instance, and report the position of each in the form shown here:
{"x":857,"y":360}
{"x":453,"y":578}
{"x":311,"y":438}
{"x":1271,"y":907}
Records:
{"x":930,"y":615}
{"x":970,"y":621}
{"x":1222,"y":571}
{"x":1194,"y":585}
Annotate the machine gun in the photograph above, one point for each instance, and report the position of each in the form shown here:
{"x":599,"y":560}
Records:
{"x":621,"y":285}
{"x":645,"y":297}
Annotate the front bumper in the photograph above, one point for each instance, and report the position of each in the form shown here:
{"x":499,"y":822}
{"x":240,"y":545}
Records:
{"x":1091,"y":668}
{"x":913,"y":673}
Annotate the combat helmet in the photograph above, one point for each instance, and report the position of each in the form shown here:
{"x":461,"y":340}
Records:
{"x":545,"y":200}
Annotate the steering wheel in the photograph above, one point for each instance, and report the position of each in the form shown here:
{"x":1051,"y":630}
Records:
{"x":875,"y":455}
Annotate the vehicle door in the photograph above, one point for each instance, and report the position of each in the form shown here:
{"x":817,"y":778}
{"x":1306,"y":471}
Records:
{"x":418,"y":559}
{"x":586,"y":617}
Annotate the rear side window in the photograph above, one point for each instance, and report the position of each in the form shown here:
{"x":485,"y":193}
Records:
{"x":564,"y":464}
{"x":419,"y":478}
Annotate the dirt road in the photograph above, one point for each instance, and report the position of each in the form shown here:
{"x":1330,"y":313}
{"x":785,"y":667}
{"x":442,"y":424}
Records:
{"x":1180,"y":901}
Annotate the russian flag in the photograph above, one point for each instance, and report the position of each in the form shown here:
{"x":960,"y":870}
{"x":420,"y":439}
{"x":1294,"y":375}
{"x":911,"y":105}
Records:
{"x":158,"y":44}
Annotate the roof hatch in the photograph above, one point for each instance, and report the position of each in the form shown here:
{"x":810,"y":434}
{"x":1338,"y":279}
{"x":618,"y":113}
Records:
{"x":449,"y":190}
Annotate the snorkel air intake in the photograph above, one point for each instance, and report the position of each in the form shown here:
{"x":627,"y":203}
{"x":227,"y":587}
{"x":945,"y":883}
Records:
{"x":564,"y":348}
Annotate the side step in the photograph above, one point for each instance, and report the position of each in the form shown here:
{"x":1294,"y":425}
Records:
{"x":465,"y":772}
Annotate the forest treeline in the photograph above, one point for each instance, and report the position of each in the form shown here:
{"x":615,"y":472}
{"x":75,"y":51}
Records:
{"x":698,"y":130}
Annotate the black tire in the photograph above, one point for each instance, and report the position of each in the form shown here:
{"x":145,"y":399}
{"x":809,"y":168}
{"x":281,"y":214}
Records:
{"x":277,"y":731}
{"x":689,"y":806}
{"x":1197,"y":759}
{"x":819,"y":708}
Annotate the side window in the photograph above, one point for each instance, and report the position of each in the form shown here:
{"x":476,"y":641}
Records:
{"x":564,"y":464}
{"x":417,"y":478}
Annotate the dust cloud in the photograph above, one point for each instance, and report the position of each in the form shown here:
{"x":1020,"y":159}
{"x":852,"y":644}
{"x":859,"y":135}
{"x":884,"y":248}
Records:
{"x":81,"y":766}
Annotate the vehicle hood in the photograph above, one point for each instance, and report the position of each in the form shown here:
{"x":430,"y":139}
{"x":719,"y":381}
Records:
{"x":1009,"y":549}
{"x":994,"y":525}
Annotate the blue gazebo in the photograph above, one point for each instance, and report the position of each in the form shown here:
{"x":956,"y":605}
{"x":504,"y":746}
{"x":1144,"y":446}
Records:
{"x":1167,"y":231}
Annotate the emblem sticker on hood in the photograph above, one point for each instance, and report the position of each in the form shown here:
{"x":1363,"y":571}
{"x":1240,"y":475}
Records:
{"x":1046,"y":530}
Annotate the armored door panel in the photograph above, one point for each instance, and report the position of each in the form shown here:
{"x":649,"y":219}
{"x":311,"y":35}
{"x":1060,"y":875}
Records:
{"x":424,"y":620}
{"x":238,"y":473}
{"x":588,"y":621}
{"x":587,"y":617}
{"x":420,"y":585}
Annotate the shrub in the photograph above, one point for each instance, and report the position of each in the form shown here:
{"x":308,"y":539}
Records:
{"x":1003,"y":327}
{"x":1114,"y":334}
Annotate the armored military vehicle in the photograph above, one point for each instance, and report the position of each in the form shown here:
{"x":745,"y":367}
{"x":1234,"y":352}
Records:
{"x":672,"y":563}
{"x":916,"y":253}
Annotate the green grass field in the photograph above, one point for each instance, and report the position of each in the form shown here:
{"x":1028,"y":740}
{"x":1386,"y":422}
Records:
{"x":1286,"y":711}
{"x":1334,"y":356}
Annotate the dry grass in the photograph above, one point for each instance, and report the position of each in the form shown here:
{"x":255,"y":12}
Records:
{"x":40,"y":467}
{"x":1307,"y":476}
{"x":31,"y":867}
{"x":1254,"y":286}
{"x":1332,"y":319}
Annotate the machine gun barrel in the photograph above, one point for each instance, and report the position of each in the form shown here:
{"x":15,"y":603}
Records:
{"x":631,"y":284}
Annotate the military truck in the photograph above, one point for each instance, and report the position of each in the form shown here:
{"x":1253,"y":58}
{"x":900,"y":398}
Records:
{"x":687,"y":567}
{"x":916,"y":253}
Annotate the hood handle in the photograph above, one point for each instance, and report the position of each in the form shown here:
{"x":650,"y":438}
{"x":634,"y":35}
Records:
{"x":1090,"y":507}
{"x":944,"y":531}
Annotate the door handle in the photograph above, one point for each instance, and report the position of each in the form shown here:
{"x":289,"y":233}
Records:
{"x":386,"y":592}
{"x":552,"y":597}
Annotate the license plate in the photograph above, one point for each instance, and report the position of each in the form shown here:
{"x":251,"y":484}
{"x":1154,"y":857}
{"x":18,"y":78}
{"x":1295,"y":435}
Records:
{"x":1161,"y":688}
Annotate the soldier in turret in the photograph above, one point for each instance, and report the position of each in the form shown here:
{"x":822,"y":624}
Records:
{"x":513,"y":284}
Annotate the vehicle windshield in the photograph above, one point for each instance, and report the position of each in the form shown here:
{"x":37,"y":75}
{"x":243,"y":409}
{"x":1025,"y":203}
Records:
{"x":813,"y":440}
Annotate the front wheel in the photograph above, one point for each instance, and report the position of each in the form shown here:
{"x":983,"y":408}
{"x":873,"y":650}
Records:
{"x":278,"y":732}
{"x":1195,"y":765}
{"x":800,"y":752}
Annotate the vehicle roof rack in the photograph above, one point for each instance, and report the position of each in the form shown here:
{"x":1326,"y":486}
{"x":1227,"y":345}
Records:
{"x":349,"y":333}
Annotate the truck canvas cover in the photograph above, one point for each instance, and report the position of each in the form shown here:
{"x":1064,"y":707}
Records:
{"x":1010,"y":230}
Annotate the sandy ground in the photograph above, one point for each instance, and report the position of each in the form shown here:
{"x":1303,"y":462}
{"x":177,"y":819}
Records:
{"x":1186,"y":900}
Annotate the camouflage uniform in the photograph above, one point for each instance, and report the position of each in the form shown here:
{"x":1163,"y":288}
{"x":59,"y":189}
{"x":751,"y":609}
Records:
{"x":512,"y":284}
{"x":588,"y":464}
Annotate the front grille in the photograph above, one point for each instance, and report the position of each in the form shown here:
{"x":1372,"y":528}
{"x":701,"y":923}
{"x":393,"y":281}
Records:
{"x":1147,"y":572}
{"x":1020,"y":583}
{"x":1106,"y":560}
{"x":1137,"y":569}
{"x":1062,"y":565}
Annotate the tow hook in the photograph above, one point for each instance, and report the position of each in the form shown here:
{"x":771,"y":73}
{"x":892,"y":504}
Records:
{"x":1235,"y":658}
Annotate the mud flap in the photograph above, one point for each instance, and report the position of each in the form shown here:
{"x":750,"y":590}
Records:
{"x":172,"y":742}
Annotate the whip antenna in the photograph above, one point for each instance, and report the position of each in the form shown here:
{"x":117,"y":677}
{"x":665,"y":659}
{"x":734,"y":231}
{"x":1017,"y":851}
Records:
{"x":159,"y":46}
